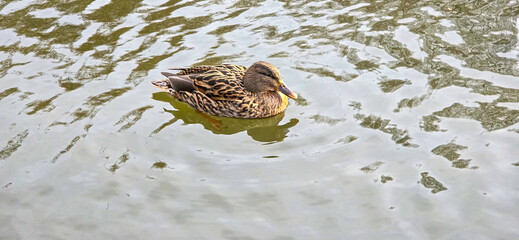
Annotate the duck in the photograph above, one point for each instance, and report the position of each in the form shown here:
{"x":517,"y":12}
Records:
{"x":229,"y":90}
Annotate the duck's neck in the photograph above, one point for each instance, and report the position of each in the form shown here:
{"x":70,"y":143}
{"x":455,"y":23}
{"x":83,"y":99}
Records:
{"x":275,"y":102}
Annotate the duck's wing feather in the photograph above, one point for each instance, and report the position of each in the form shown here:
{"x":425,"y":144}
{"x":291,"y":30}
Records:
{"x":220,"y":82}
{"x":218,"y":85}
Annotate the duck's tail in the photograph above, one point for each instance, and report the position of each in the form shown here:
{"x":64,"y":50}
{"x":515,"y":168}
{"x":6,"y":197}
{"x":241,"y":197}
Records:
{"x":164,"y":85}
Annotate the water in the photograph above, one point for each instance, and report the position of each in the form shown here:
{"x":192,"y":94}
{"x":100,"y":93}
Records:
{"x":407,"y":125}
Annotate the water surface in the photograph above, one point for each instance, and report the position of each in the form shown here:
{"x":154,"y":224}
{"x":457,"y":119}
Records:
{"x":407,"y":125}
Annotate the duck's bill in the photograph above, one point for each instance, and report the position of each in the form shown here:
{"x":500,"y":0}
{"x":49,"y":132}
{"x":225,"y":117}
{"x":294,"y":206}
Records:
{"x":285,"y":90}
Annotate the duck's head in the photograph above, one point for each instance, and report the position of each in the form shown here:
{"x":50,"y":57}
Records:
{"x":265,"y":77}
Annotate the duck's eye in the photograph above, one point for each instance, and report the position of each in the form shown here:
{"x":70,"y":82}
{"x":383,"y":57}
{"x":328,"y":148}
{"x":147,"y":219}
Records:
{"x":268,"y":74}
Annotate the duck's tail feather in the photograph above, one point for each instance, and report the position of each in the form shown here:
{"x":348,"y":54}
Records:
{"x":167,"y":74}
{"x":175,"y":82}
{"x":164,"y":85}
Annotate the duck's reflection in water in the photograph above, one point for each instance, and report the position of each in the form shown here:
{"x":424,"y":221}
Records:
{"x":262,"y":130}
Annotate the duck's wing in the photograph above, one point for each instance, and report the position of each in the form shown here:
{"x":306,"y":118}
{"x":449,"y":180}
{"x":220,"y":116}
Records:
{"x":184,"y":80}
{"x":222,"y":83}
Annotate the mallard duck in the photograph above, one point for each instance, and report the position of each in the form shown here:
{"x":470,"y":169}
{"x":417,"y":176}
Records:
{"x":229,"y":90}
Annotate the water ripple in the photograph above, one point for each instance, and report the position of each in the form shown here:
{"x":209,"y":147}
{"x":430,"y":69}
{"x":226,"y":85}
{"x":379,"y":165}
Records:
{"x":400,"y":102}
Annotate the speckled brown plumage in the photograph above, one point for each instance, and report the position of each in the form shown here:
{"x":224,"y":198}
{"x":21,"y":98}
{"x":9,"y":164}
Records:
{"x":230,"y":90}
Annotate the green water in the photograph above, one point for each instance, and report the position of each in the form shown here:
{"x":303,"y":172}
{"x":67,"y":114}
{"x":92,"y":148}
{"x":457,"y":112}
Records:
{"x":406,"y":126}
